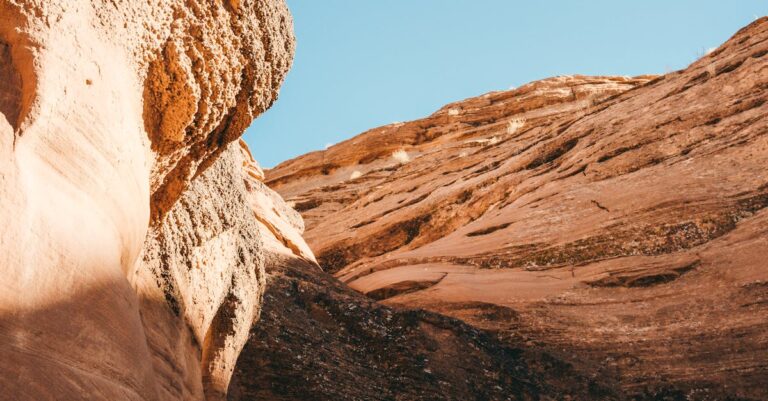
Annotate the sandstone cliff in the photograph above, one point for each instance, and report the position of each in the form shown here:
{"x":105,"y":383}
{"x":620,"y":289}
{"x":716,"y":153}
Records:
{"x":132,"y":259}
{"x":576,"y":238}
{"x":619,"y":220}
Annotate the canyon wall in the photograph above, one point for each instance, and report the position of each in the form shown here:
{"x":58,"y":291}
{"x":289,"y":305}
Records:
{"x":132,"y":261}
{"x":576,"y":238}
{"x":618,"y":220}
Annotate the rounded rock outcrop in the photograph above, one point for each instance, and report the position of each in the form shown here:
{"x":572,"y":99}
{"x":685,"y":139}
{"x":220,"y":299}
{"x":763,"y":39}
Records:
{"x":110,"y":114}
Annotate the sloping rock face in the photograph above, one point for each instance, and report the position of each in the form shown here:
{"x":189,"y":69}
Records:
{"x":132,"y":261}
{"x":319,"y":340}
{"x":619,"y":220}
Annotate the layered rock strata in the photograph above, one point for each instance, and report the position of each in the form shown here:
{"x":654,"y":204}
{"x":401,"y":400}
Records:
{"x":620,"y":220}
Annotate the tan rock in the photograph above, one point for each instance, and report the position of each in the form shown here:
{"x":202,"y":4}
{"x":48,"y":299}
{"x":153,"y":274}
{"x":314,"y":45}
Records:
{"x":109,"y":114}
{"x":205,"y":261}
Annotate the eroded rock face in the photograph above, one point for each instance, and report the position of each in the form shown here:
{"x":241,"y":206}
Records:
{"x":620,"y":219}
{"x":206,"y":261}
{"x":205,"y":265}
{"x":109,"y":115}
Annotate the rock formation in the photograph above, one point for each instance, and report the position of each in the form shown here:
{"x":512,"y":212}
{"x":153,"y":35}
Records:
{"x":132,"y":260}
{"x":576,"y":238}
{"x":319,"y":340}
{"x":620,"y":221}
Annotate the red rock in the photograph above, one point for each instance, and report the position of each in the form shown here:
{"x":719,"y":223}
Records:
{"x":622,"y":219}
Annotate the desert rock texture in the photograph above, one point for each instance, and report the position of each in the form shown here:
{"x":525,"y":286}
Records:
{"x":132,"y":252}
{"x":577,"y":238}
{"x":619,"y":221}
{"x":317,"y":339}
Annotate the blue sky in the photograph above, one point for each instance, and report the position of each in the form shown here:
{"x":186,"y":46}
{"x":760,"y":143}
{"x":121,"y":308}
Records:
{"x":364,"y":63}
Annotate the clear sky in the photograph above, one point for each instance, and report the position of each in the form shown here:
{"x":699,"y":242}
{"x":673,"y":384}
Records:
{"x":365,"y":63}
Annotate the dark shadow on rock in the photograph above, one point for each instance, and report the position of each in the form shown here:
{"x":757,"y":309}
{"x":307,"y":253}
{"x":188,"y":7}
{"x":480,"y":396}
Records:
{"x":319,"y":340}
{"x":91,"y":346}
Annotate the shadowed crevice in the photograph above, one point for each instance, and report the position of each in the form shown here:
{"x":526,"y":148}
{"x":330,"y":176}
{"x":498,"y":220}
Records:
{"x":10,"y":87}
